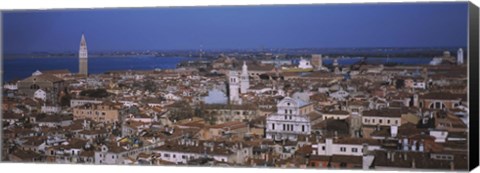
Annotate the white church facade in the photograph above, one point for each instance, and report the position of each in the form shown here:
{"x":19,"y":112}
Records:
{"x":291,"y":120}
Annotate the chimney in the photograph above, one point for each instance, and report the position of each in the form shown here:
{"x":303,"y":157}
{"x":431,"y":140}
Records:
{"x":405,"y":156}
{"x":394,"y":131}
{"x":452,"y":165}
{"x":413,"y":163}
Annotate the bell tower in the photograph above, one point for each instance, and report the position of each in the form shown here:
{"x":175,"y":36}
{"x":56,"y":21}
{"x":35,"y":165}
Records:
{"x":83,"y":56}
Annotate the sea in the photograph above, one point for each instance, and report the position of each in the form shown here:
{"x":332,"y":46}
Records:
{"x":20,"y":68}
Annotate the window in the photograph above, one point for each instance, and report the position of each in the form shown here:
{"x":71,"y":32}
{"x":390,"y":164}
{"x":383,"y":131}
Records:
{"x":303,"y":128}
{"x":291,"y":127}
{"x":174,"y":156}
{"x":380,"y":121}
{"x":183,"y":156}
{"x":354,"y":150}
{"x":373,"y":120}
{"x":437,"y":105}
{"x":388,"y":121}
{"x":396,"y":121}
{"x":285,"y":115}
{"x":166,"y":155}
{"x":323,"y":148}
{"x":273,"y":126}
{"x":284,"y":128}
{"x":113,"y":156}
{"x":290,"y":117}
{"x":343,"y":149}
{"x":290,"y":111}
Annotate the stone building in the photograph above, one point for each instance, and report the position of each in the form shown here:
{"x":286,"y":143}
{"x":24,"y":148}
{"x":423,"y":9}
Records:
{"x":294,"y":117}
{"x":97,"y":112}
{"x":50,"y":84}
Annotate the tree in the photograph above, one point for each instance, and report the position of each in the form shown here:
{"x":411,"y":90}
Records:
{"x":95,"y":93}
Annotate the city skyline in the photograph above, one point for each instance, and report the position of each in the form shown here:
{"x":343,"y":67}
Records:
{"x":239,"y":27}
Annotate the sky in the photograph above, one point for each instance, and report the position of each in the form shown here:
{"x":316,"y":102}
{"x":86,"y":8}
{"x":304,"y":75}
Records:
{"x":238,"y":27}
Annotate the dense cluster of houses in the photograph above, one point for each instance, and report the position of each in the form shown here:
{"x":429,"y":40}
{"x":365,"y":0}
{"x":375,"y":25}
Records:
{"x":233,"y":112}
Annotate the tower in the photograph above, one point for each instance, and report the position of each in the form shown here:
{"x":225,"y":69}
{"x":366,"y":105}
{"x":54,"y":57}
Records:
{"x":234,"y":88}
{"x":83,"y":57}
{"x":460,"y":56}
{"x":335,"y":65}
{"x":317,"y":61}
{"x":244,"y":83}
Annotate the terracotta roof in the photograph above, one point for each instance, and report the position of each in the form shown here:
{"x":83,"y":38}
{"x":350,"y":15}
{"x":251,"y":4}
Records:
{"x":443,"y":96}
{"x":385,"y":112}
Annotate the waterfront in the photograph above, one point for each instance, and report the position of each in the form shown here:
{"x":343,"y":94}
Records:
{"x":19,"y":68}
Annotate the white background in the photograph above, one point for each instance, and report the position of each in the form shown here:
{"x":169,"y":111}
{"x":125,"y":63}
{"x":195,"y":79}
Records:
{"x":62,"y":4}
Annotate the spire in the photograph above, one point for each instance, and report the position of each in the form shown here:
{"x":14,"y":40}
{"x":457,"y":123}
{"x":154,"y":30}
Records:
{"x":83,"y":42}
{"x":244,"y":67}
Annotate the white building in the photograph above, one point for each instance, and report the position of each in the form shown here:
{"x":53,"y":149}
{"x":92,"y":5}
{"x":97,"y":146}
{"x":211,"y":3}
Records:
{"x":460,"y":56}
{"x":234,"y":88}
{"x":10,"y":86}
{"x":112,"y":155}
{"x":294,"y":117}
{"x":171,"y":96}
{"x":305,"y":64}
{"x":420,"y":85}
{"x":50,"y":109}
{"x":40,"y":94}
{"x":244,"y":83}
{"x":186,"y":150}
{"x":345,"y":146}
{"x":383,"y":117}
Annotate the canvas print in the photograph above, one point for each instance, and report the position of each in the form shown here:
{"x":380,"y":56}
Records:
{"x":320,"y":86}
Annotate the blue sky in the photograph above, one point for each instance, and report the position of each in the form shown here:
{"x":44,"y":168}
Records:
{"x":300,"y":26}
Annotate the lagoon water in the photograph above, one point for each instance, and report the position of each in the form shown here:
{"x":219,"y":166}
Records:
{"x":20,"y":68}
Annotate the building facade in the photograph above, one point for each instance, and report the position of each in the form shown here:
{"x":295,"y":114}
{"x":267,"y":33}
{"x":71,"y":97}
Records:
{"x":234,"y":88}
{"x":290,"y":120}
{"x":97,"y":112}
